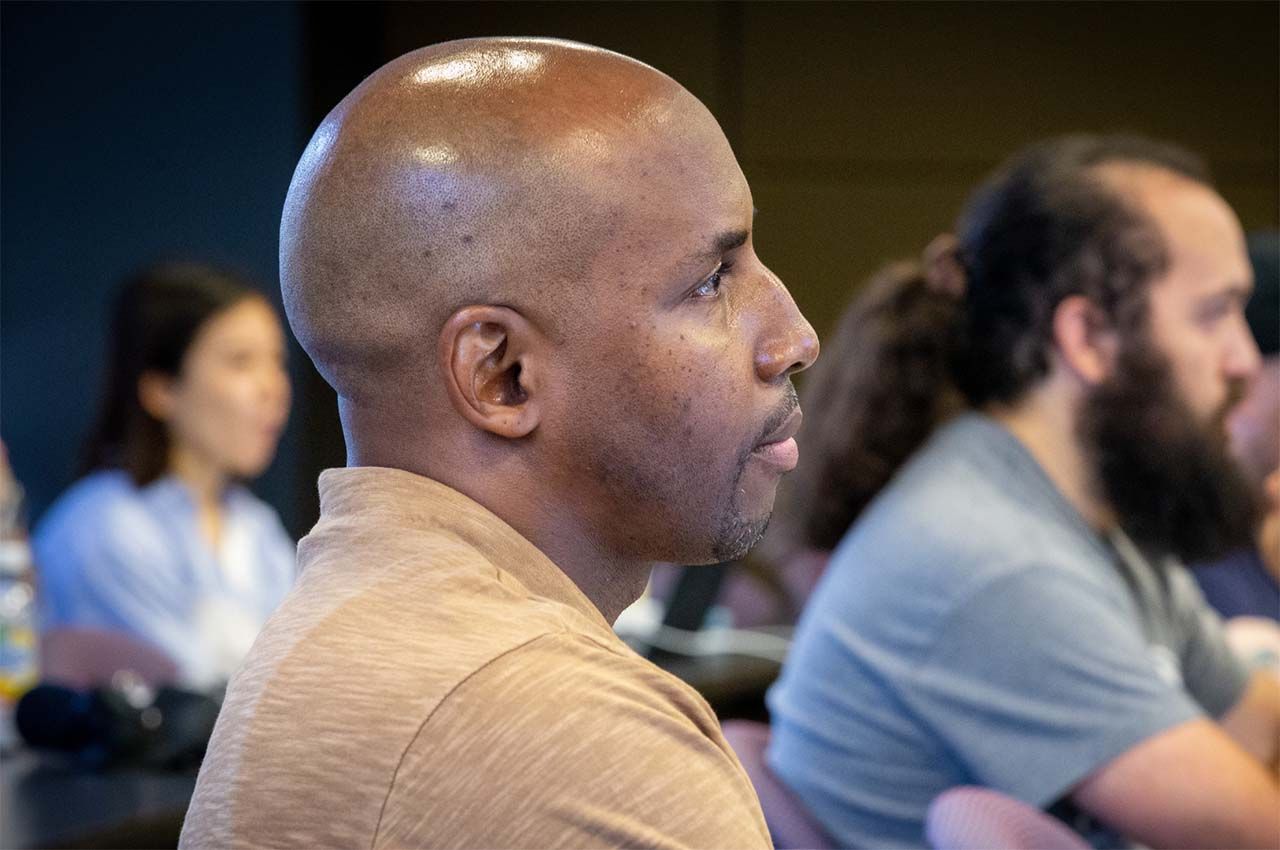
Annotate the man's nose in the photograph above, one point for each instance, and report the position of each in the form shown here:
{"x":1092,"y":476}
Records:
{"x":789,"y":343}
{"x":1243,"y":358}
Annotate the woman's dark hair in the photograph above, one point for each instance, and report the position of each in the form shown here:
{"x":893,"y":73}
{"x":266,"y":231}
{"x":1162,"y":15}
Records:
{"x":157,"y":315}
{"x":909,"y":353}
{"x":872,"y":398}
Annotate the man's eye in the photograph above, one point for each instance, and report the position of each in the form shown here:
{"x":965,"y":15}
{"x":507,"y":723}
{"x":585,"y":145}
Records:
{"x":710,"y":287}
{"x":1214,"y":312}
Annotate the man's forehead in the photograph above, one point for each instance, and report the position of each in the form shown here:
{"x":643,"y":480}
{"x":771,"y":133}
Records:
{"x":1201,"y":232}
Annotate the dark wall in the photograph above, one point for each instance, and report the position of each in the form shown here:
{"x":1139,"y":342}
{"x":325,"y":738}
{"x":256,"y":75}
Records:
{"x":140,"y":130}
{"x":861,"y":126}
{"x":130,"y":133}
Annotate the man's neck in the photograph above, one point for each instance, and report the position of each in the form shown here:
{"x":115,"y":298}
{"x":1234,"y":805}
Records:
{"x":612,"y":584}
{"x":609,"y":582}
{"x":1045,"y":425}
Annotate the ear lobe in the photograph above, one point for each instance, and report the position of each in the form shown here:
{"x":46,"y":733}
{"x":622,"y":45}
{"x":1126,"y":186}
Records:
{"x":1085,"y":339}
{"x":155,"y":394}
{"x":488,"y":356}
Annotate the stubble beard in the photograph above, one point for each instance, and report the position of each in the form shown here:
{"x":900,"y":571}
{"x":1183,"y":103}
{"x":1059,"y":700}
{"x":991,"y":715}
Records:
{"x":632,"y":484}
{"x":736,"y":534}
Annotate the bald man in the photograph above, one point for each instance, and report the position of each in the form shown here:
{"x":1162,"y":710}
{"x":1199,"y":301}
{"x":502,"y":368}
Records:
{"x":526,"y":266}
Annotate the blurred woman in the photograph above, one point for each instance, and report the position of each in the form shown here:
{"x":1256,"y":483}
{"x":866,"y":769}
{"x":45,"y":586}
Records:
{"x":159,"y":539}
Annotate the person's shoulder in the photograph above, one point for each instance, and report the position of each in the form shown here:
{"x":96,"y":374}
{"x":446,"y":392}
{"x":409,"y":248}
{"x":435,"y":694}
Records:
{"x":100,"y":501}
{"x":969,"y":498}
{"x":965,"y":517}
{"x":591,"y":740}
{"x":572,"y":666}
{"x":564,"y":672}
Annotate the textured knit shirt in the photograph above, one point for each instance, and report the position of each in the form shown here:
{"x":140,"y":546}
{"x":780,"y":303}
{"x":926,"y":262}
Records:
{"x":434,"y":680}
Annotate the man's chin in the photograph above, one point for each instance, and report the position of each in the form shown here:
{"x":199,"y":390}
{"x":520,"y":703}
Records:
{"x":739,"y":536}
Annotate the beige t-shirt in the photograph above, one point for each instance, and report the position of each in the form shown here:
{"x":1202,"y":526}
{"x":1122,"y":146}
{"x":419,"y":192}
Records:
{"x":433,"y":680}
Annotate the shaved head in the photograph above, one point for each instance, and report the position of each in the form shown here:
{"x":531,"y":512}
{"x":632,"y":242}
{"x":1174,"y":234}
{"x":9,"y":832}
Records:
{"x":476,"y":171}
{"x":527,"y":268}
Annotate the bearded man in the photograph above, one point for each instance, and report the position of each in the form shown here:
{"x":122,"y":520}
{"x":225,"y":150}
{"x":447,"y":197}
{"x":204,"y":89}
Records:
{"x":526,"y":267}
{"x":1011,"y":610}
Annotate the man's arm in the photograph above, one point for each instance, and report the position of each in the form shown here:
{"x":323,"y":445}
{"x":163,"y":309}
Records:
{"x":1254,"y":721}
{"x":1189,"y":786}
{"x":1064,"y":699}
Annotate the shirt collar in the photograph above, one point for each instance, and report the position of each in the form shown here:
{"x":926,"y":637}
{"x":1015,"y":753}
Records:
{"x":1024,"y":472}
{"x":403,"y":500}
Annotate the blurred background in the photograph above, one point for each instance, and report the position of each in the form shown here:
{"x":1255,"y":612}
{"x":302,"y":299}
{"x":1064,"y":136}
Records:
{"x":138,"y":132}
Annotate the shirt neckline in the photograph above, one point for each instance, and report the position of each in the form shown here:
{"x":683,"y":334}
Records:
{"x":415,"y":503}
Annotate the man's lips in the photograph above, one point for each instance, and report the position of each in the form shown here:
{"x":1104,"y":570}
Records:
{"x":779,"y":449}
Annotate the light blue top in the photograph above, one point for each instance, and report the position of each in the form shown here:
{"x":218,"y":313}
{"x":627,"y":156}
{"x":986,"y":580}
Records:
{"x":972,"y":630}
{"x":110,"y":554}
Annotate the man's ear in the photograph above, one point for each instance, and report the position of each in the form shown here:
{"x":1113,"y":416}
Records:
{"x":490,"y":359}
{"x":1085,"y":339}
{"x":156,"y":395}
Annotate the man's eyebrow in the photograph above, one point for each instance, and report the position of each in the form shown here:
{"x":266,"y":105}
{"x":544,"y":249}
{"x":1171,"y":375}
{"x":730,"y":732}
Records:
{"x":1238,"y":292}
{"x":721,"y":244}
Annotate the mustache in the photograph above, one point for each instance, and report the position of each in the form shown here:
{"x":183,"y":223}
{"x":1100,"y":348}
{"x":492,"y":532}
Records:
{"x":1237,"y":389}
{"x":790,"y":401}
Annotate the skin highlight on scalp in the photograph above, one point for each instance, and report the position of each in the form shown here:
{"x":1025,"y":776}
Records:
{"x":453,"y":176}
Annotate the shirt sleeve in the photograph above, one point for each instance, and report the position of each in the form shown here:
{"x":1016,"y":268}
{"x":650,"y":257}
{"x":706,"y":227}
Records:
{"x":1213,"y":674}
{"x":564,"y":743}
{"x":1038,"y":678}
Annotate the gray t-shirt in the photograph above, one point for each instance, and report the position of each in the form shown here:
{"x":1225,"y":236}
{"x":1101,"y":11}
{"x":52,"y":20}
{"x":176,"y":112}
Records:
{"x":971,"y":629}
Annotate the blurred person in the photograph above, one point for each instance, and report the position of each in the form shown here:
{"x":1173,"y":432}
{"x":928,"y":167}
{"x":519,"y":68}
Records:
{"x":1011,"y":610}
{"x":160,"y":539}
{"x":1247,"y":582}
{"x":526,"y":266}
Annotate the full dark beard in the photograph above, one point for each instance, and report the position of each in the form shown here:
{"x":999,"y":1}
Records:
{"x":1169,"y":478}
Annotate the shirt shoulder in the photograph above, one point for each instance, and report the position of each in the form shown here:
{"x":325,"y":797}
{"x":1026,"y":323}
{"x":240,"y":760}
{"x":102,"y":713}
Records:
{"x":591,"y":746}
{"x":97,"y":499}
{"x":102,"y":517}
{"x":971,"y":512}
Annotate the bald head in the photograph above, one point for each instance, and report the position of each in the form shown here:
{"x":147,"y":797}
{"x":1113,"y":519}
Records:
{"x":478,"y":171}
{"x":527,"y":267}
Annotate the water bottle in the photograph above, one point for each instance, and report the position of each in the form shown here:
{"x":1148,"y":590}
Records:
{"x":19,"y":651}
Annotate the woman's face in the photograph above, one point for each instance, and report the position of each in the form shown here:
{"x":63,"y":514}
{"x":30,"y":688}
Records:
{"x":230,"y":400}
